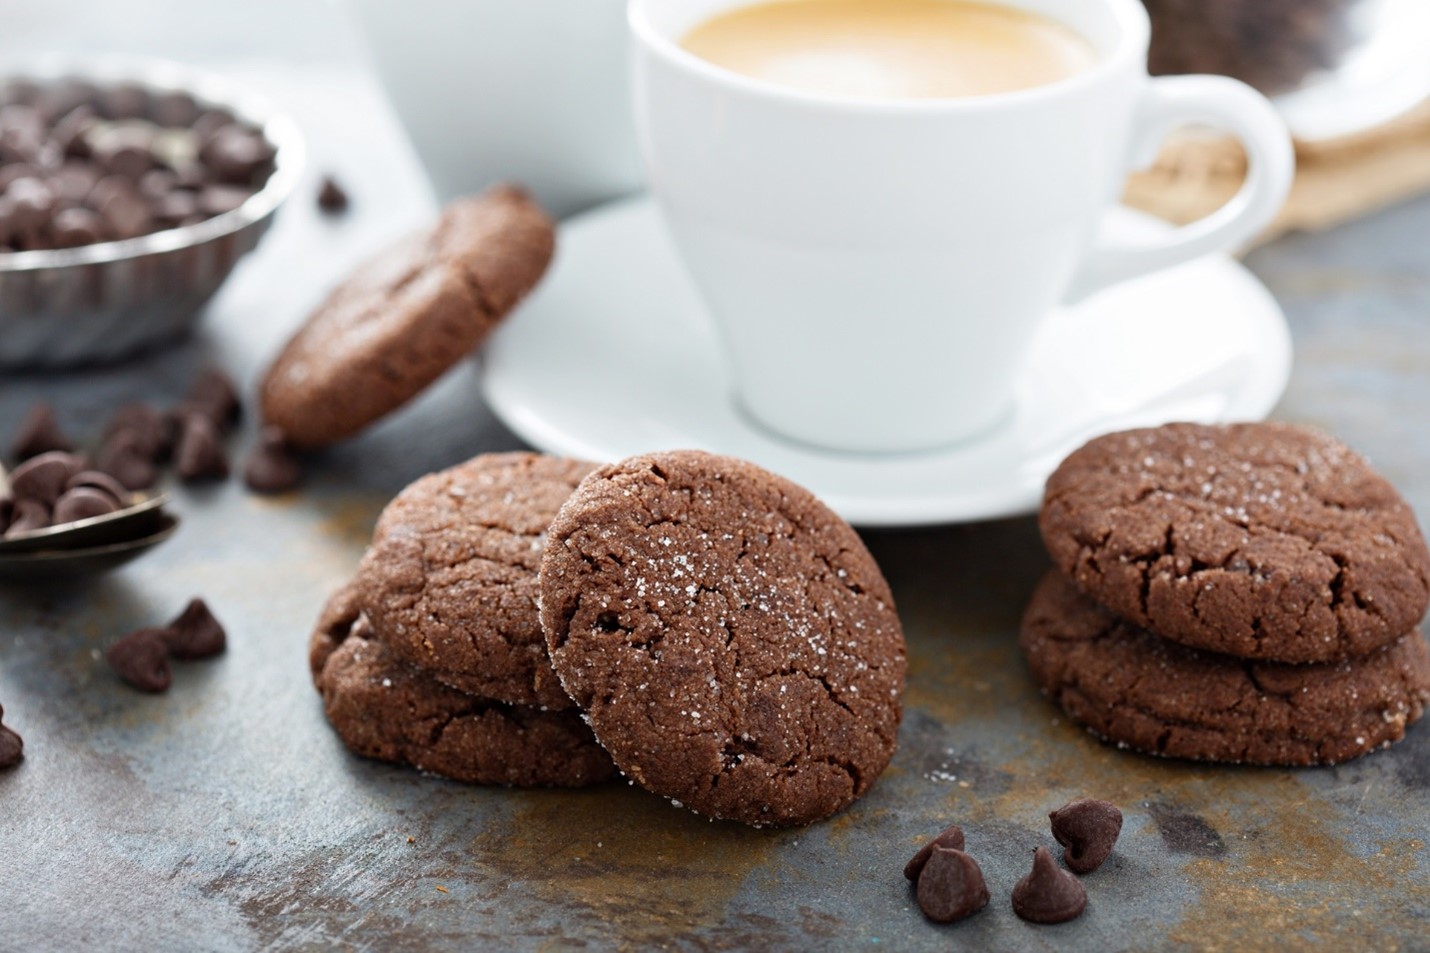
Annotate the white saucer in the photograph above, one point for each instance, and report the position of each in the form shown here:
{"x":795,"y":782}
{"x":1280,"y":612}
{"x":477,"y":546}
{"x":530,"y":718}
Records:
{"x":614,"y":356}
{"x":1383,"y":76}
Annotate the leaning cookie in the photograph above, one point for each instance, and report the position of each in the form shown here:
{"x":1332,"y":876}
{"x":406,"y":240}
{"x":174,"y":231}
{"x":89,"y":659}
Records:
{"x":733,"y":643}
{"x":406,"y":316}
{"x":386,"y":710}
{"x":1143,"y":692}
{"x":450,"y":578}
{"x":1265,"y":541}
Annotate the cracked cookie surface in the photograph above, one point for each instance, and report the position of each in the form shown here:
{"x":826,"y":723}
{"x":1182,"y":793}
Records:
{"x":450,"y":578}
{"x":405,"y":316}
{"x":1266,"y":541}
{"x":733,"y":643}
{"x":384,"y":709}
{"x":1143,"y":692}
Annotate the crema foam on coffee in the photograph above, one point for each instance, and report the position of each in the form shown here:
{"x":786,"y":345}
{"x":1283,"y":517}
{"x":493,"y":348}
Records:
{"x":892,"y":49}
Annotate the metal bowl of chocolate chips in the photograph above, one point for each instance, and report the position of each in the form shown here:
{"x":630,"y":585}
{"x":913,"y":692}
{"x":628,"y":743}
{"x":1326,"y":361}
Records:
{"x":127,"y":194}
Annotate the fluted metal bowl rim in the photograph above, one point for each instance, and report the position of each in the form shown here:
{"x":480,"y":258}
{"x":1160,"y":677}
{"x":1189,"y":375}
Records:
{"x":211,"y":91}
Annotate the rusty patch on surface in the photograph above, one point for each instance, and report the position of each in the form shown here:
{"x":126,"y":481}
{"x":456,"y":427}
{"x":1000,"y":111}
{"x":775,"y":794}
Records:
{"x":642,"y":868}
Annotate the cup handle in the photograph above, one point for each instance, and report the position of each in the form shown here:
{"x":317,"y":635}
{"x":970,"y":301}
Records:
{"x":1223,"y":103}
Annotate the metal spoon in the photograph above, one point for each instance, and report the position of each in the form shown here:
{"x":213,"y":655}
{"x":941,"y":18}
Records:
{"x":141,"y":519}
{"x":49,"y":565}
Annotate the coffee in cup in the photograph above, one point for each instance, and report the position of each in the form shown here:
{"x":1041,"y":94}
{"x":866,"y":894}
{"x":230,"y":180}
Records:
{"x":892,"y":49}
{"x":877,"y":265}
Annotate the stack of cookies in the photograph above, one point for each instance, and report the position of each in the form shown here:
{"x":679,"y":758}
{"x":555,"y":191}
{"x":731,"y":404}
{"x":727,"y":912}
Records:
{"x":1245,"y":593}
{"x":708,"y":628}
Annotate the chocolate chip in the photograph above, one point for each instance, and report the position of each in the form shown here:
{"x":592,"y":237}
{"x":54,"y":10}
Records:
{"x":60,"y":98}
{"x":214,"y":395}
{"x":76,"y":227}
{"x":32,"y":202}
{"x":951,"y":838}
{"x":236,"y":155}
{"x":157,"y":183}
{"x":126,"y":152}
{"x":210,"y":122}
{"x":173,"y":109}
{"x":73,"y":181}
{"x":1048,"y":894}
{"x":331,"y":197}
{"x":123,"y":208}
{"x":195,"y":634}
{"x":38,"y":433}
{"x":43,"y":477}
{"x":124,"y":101}
{"x":71,"y":134}
{"x":272,"y":467}
{"x":18,"y":170}
{"x":1087,"y":828}
{"x":12,"y":746}
{"x":97,"y":480}
{"x":153,"y":429}
{"x":200,"y":454}
{"x":951,"y":886}
{"x":142,"y":659}
{"x":218,"y":199}
{"x":175,"y":208}
{"x":26,"y":516}
{"x":83,"y":503}
{"x":125,"y":456}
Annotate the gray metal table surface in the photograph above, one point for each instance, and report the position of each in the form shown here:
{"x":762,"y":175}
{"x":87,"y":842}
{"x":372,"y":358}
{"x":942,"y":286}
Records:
{"x":226,"y":815}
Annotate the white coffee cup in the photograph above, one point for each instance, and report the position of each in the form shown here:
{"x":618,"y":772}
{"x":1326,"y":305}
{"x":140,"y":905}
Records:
{"x":878,"y":269}
{"x":532,"y":91}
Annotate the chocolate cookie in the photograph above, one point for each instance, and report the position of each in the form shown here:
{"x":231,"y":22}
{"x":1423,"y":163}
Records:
{"x":733,"y":643}
{"x":1146,"y":693}
{"x":406,"y":316}
{"x":450,"y":578}
{"x":386,"y":710}
{"x":1265,"y":541}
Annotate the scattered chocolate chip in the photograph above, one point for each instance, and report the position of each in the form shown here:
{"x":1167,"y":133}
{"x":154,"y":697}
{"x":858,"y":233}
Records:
{"x":125,"y":456}
{"x":951,"y":839}
{"x":951,"y":886}
{"x":154,"y":430}
{"x":195,"y":634}
{"x":27,"y":516}
{"x":43,"y":478}
{"x":98,"y":480}
{"x":1087,"y":828}
{"x":142,"y":659}
{"x":214,"y":395}
{"x":83,"y":503}
{"x":1048,"y":894}
{"x":331,"y":197}
{"x":12,"y":746}
{"x":200,"y":454}
{"x":38,"y":433}
{"x":272,"y":467}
